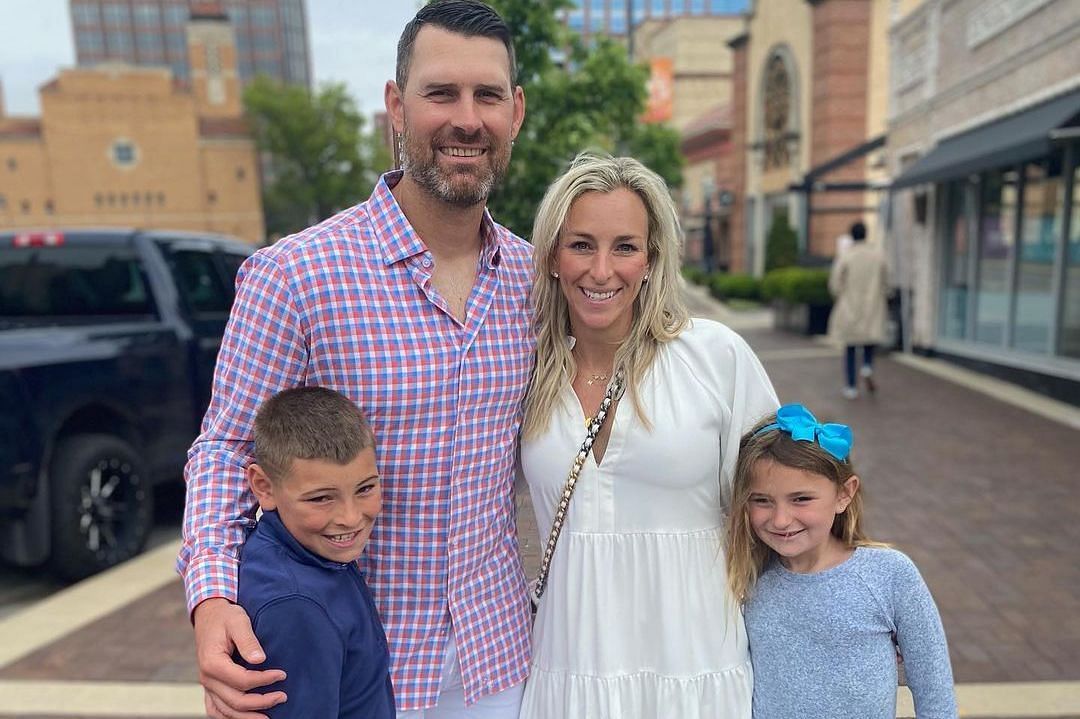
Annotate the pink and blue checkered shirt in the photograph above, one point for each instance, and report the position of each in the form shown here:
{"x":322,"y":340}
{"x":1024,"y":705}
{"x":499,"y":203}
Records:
{"x":348,"y":304}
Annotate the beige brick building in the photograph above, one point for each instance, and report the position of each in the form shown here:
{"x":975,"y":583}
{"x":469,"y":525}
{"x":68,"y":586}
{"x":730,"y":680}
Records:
{"x":808,"y":124}
{"x":126,"y":146}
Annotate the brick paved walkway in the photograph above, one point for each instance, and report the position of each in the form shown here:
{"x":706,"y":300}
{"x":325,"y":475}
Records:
{"x":981,"y":494}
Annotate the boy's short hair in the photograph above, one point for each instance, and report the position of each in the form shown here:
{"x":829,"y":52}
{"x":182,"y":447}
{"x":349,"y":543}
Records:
{"x":308,"y":423}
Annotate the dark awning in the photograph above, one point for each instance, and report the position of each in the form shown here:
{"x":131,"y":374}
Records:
{"x":1008,"y":141}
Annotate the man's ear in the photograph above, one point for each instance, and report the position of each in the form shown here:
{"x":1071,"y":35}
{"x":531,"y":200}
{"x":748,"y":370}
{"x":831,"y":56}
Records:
{"x":261,"y":486}
{"x":847,"y":493}
{"x":395,"y":105}
{"x":519,"y":111}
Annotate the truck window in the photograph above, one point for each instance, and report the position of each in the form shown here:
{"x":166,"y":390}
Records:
{"x":232,"y":264}
{"x":199,"y":281}
{"x":72,"y":282}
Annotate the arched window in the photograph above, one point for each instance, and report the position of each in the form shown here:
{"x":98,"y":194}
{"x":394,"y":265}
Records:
{"x":779,"y":108}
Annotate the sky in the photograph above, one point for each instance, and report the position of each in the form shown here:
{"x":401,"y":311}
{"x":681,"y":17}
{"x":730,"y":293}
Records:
{"x":352,"y":41}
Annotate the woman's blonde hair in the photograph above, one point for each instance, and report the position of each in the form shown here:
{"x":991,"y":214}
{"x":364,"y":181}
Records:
{"x":659,"y":312}
{"x":746,"y":554}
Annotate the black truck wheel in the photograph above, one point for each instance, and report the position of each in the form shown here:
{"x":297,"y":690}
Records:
{"x":102,"y":507}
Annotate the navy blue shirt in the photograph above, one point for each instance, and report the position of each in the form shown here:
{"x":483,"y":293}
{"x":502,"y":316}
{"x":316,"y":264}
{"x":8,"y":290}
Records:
{"x":316,"y":620}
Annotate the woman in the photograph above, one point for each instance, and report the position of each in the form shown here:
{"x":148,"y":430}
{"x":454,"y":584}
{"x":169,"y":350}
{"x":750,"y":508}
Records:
{"x":859,"y":284}
{"x":635,"y":620}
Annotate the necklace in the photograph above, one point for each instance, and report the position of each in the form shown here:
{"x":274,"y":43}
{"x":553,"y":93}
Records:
{"x":594,"y":378}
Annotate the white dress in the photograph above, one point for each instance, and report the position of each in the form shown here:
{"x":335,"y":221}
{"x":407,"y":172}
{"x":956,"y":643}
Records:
{"x":635,"y":621}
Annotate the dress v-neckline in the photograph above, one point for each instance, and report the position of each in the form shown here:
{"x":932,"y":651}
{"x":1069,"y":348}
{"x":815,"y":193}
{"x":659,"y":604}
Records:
{"x":610,"y":425}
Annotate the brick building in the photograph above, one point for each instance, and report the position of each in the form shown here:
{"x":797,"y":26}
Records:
{"x":126,"y":146}
{"x":984,"y":148}
{"x":808,"y":122}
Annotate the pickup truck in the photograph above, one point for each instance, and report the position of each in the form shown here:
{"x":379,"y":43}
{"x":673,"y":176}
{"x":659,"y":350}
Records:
{"x":108,"y":340}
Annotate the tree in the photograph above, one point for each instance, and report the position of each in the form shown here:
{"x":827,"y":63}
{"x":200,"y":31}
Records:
{"x":593,"y":101}
{"x":781,"y":244}
{"x":319,"y":159}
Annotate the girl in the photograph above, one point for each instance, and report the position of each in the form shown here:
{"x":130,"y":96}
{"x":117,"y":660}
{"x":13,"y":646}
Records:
{"x":825,"y":607}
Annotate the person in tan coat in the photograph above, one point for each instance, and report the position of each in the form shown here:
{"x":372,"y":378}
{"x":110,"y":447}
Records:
{"x":859,"y":285}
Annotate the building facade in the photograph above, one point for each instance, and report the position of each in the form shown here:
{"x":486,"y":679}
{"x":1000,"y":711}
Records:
{"x":809,"y":116}
{"x":984,"y":147}
{"x":271,"y":35}
{"x":128,"y":146}
{"x":615,"y":17}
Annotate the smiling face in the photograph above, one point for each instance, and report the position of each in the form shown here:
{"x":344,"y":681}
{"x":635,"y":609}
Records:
{"x":458,"y":114}
{"x":792,"y":511}
{"x":602,"y":258}
{"x":329,"y":508}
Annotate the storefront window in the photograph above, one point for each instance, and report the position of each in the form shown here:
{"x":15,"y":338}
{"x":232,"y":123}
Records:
{"x":1070,"y":322}
{"x":997,"y":243}
{"x":1044,"y":207}
{"x":957,"y":244}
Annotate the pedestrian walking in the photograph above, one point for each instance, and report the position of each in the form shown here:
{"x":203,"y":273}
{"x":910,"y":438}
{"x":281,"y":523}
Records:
{"x":826,"y":608}
{"x":859,"y":285}
{"x":646,"y":407}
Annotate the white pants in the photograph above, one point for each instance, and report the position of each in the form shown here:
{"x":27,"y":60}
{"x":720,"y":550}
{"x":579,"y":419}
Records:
{"x":504,"y":705}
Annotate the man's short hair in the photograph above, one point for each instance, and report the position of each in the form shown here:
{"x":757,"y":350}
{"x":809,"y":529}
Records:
{"x":470,"y":18}
{"x":858,"y":232}
{"x":308,"y":423}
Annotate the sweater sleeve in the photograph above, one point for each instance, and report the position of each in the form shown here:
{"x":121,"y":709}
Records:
{"x":923,"y":647}
{"x":299,"y":638}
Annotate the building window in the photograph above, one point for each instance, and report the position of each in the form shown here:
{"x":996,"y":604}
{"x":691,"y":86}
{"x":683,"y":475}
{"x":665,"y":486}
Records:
{"x":12,"y":164}
{"x":25,"y":206}
{"x":48,"y":207}
{"x":262,"y":17}
{"x":176,"y":15}
{"x":211,"y":197}
{"x":98,"y":200}
{"x":85,"y":14}
{"x":1043,"y":215}
{"x":119,"y":42}
{"x":777,"y":114}
{"x":1070,"y":315}
{"x":124,"y":153}
{"x":161,"y":199}
{"x":3,"y":202}
{"x":117,"y":15}
{"x":90,"y":41}
{"x":147,"y":16}
{"x":241,"y":173}
{"x":958,"y":214}
{"x":997,"y":242}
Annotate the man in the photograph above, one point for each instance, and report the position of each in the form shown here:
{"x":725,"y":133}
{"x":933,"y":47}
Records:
{"x":415,"y":305}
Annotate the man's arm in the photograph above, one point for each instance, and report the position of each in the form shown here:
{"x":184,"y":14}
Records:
{"x":263,"y":351}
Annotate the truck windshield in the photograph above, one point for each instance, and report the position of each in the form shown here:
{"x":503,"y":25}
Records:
{"x":71,"y":284}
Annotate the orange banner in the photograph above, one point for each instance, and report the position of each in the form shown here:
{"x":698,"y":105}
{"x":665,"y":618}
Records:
{"x":661,"y":90}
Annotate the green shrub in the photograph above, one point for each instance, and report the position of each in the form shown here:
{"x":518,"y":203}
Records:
{"x":735,"y":287}
{"x":797,"y":285}
{"x":695,"y":274}
{"x":782,"y":244}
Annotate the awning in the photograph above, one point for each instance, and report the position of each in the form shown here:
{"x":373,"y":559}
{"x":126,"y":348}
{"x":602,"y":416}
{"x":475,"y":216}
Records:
{"x":1008,"y":141}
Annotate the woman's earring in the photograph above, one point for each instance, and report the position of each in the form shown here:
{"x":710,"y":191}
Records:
{"x":555,"y":275}
{"x":645,"y":278}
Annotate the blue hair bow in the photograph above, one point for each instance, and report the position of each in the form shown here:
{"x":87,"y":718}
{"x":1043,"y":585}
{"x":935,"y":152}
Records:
{"x":796,"y":420}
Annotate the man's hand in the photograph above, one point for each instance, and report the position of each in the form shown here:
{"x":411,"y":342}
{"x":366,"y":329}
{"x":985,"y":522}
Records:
{"x":221,"y":627}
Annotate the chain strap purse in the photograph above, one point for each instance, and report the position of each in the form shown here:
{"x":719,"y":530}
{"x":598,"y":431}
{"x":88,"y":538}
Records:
{"x":614,"y":391}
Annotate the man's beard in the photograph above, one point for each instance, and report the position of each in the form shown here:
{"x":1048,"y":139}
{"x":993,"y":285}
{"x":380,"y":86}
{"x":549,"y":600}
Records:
{"x":462,"y":187}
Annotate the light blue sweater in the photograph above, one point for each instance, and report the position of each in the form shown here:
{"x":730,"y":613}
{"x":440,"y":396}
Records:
{"x":822,"y":644}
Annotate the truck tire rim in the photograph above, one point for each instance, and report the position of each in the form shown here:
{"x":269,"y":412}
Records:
{"x":109,"y":505}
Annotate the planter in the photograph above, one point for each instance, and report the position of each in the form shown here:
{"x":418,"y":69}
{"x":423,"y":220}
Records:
{"x":802,"y":318}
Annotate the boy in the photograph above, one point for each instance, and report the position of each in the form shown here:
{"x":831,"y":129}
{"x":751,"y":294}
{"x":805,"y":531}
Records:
{"x":316,"y":481}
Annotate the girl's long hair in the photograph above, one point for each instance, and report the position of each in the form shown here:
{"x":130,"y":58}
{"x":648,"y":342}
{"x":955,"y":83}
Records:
{"x":747,"y":555}
{"x":659,"y":312}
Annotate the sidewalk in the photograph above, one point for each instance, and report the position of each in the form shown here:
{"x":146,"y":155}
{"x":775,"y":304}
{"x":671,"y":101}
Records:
{"x":980,"y":492}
